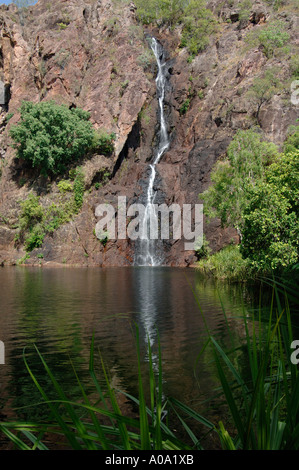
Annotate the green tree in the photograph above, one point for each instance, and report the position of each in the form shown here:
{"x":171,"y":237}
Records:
{"x":283,"y":175}
{"x":263,"y":89}
{"x":292,"y":142}
{"x":271,"y":223}
{"x":199,"y":23}
{"x":160,"y":11}
{"x":273,"y":38}
{"x":49,"y":136}
{"x":247,"y":157}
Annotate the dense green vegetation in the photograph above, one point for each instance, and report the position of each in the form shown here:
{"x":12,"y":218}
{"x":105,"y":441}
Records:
{"x":227,"y":264}
{"x":51,"y":136}
{"x":272,"y":38}
{"x":36,"y":220}
{"x":197,"y":22}
{"x":256,"y":191}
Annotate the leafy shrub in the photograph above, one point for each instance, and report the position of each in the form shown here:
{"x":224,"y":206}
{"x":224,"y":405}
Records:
{"x":227,"y":263}
{"x":294,"y":65}
{"x":198,"y":24}
{"x":30,"y":226}
{"x":275,"y":3}
{"x":185,"y":106}
{"x":103,"y":142}
{"x":31,"y":212}
{"x":292,"y":141}
{"x":79,"y":187}
{"x":273,"y":38}
{"x":36,"y":221}
{"x":35,"y":238}
{"x":65,"y":186}
{"x":50,"y":136}
{"x":263,"y":89}
{"x":226,"y":198}
{"x":197,"y":21}
{"x":159,"y":11}
{"x":271,"y":222}
{"x":257,"y":191}
{"x":245,"y":10}
{"x":62,"y":26}
{"x":146,"y":59}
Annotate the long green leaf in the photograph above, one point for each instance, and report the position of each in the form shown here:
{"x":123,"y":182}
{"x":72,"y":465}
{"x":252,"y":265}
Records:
{"x":68,"y":434}
{"x":144,"y":428}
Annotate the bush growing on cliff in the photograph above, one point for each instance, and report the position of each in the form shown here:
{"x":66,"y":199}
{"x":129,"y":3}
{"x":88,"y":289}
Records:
{"x":247,"y":157}
{"x":271,"y":218}
{"x":292,"y":142}
{"x":50,"y":136}
{"x":198,"y":22}
{"x":272,"y":38}
{"x":79,"y":187}
{"x":256,"y":191}
{"x":160,"y":11}
{"x":198,"y":25}
{"x":37,"y":220}
{"x":103,"y":142}
{"x":263,"y":89}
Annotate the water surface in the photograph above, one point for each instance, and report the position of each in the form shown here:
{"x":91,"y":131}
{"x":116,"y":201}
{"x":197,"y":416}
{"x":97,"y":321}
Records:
{"x":59,"y":309}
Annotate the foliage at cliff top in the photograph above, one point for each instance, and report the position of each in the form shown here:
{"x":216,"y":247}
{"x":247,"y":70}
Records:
{"x":197,"y":21}
{"x":50,"y":136}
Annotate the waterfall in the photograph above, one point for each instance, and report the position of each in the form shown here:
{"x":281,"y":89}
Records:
{"x":147,"y":253}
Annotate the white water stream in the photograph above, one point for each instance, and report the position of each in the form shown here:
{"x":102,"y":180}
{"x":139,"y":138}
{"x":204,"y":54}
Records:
{"x":147,"y":254}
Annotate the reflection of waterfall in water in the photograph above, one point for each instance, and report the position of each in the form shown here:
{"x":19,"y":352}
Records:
{"x":146,"y":253}
{"x":147,"y":304}
{"x":151,"y":297}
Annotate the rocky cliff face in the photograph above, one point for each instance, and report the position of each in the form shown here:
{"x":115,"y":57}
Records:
{"x":94,"y":55}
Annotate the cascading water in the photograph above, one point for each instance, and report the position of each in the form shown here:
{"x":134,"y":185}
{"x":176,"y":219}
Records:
{"x":146,"y":253}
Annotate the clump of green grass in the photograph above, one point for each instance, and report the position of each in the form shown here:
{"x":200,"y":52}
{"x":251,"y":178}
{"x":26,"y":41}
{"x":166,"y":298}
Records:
{"x":226,"y":264}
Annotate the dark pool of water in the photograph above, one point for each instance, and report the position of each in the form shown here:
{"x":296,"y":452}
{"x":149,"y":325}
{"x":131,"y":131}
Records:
{"x":59,"y":310}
